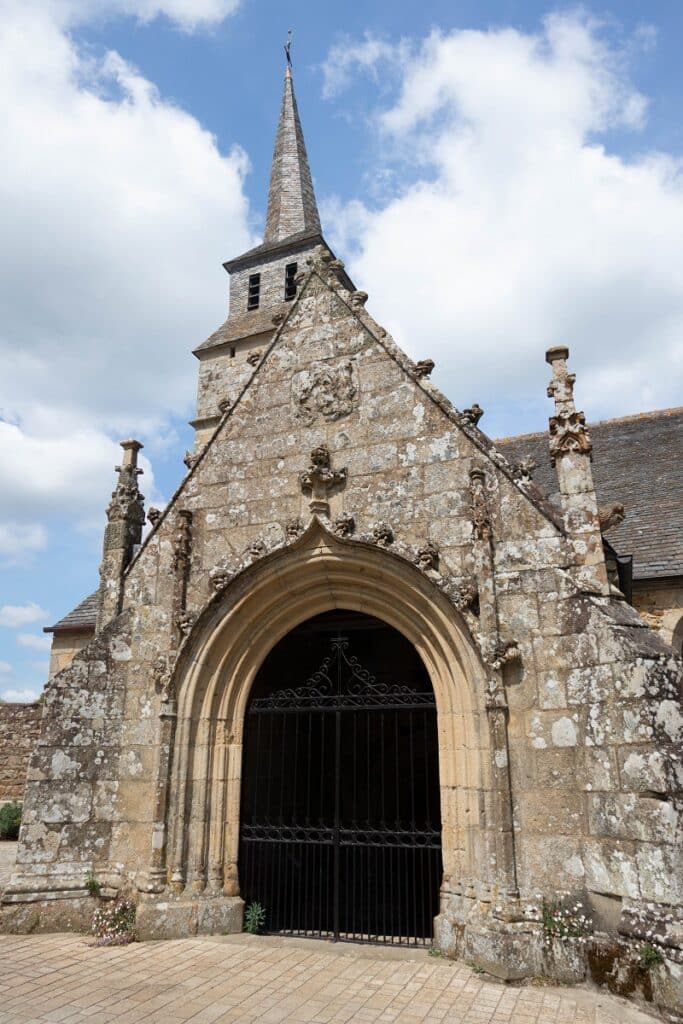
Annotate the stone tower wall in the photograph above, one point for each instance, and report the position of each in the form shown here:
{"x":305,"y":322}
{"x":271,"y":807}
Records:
{"x":19,"y":730}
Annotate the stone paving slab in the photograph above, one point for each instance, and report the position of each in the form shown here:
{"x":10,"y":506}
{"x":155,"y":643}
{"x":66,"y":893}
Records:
{"x":63,"y":979}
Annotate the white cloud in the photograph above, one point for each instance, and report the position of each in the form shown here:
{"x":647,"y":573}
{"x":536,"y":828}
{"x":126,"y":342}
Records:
{"x":515,"y":228}
{"x":41,"y":643}
{"x":42,"y":667}
{"x":187,"y":14}
{"x":22,"y":696}
{"x":347,"y":58}
{"x":117,"y":209}
{"x":16,"y":616}
{"x":5,"y":668}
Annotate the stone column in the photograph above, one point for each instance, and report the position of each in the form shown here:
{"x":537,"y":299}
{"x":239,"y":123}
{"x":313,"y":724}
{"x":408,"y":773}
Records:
{"x":570,"y":453}
{"x":125,"y":519}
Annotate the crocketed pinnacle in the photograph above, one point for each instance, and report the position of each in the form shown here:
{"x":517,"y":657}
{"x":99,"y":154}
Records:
{"x":292,"y":208}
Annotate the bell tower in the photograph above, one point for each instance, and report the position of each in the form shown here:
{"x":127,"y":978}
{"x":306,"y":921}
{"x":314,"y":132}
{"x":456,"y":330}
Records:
{"x":264,"y":280}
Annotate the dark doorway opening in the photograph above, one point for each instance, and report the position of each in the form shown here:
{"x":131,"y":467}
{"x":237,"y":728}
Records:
{"x":340,"y":833}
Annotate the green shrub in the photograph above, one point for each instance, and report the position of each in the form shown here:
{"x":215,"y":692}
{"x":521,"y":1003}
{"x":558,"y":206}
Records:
{"x":254,"y":918}
{"x":10,"y":820}
{"x":92,"y":885}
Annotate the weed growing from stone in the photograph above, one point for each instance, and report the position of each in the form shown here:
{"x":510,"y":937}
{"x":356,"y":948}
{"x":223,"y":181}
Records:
{"x":563,"y":920}
{"x":254,"y":918}
{"x":113,"y":924}
{"x":92,"y":885}
{"x":649,"y":956}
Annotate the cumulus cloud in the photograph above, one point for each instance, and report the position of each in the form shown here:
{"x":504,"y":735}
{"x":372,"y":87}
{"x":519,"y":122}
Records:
{"x":188,"y":15}
{"x":23,"y":696}
{"x":118,"y":209}
{"x":513,"y":226}
{"x":349,"y":58}
{"x":5,"y":668}
{"x":15,"y":616}
{"x":40,"y":643}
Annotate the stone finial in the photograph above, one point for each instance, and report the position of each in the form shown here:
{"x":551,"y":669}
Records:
{"x":481,"y":520}
{"x":610,"y":516}
{"x":473,"y":414}
{"x":278,"y":318}
{"x":358,"y":299}
{"x":320,"y":479}
{"x":125,"y":520}
{"x":254,"y":357}
{"x":424,"y":367}
{"x":153,"y":516}
{"x":224,"y":405}
{"x":190,"y":459}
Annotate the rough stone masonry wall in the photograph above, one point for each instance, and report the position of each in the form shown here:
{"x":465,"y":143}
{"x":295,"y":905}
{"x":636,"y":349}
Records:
{"x":594,"y":713}
{"x":19,"y":731}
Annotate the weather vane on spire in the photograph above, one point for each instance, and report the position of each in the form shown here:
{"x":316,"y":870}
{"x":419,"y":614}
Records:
{"x":288,"y":49}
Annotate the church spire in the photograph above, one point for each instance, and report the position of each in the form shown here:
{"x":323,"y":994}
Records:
{"x":292,"y":209}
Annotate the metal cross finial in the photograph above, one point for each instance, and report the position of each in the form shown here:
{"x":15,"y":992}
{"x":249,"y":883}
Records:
{"x":288,"y":49}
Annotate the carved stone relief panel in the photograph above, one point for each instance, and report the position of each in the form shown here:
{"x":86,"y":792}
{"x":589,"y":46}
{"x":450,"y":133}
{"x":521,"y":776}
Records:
{"x":325,"y":391}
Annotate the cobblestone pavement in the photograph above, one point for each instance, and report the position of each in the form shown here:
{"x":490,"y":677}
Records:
{"x":62,"y":979}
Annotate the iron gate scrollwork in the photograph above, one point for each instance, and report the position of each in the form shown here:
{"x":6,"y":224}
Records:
{"x":340,"y":834}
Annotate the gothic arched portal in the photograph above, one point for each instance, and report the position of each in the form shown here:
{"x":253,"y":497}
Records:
{"x":340,"y":830}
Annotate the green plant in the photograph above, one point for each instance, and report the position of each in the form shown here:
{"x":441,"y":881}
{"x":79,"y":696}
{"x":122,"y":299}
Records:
{"x":114,"y":924}
{"x":563,"y":921}
{"x":254,"y":918}
{"x":10,"y":820}
{"x":476,"y":968}
{"x":435,"y":951}
{"x":649,"y":956}
{"x":92,"y":885}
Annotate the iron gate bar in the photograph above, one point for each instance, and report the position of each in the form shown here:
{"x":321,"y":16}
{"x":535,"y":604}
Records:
{"x":384,"y":864}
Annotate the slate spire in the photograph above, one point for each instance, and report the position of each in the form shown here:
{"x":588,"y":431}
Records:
{"x":292,"y":209}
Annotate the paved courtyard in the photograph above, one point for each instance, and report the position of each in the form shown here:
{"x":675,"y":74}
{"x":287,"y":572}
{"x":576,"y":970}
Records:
{"x":61,"y":979}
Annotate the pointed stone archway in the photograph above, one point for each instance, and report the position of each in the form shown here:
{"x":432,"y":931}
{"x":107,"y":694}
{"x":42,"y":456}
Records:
{"x":217,"y":669}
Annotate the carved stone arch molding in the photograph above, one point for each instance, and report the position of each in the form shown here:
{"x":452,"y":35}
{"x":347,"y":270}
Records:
{"x":218,"y":664}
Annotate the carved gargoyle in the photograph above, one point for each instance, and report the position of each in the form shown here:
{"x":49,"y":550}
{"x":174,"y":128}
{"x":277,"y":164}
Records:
{"x":190,"y":459}
{"x":526,"y":468}
{"x":466,"y":595}
{"x":382,"y":534}
{"x":254,"y":357}
{"x":344,"y":525}
{"x":424,"y":367}
{"x":294,"y":529}
{"x":185,"y":622}
{"x":153,"y":515}
{"x":219,"y":577}
{"x":611,"y":516}
{"x":358,"y":299}
{"x":257,"y":548}
{"x":162,"y":678}
{"x":224,"y":405}
{"x":277,"y":318}
{"x":427,"y":557}
{"x":473,"y":414}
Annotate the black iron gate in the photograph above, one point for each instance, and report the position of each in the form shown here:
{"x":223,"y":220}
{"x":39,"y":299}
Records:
{"x":340,"y":834}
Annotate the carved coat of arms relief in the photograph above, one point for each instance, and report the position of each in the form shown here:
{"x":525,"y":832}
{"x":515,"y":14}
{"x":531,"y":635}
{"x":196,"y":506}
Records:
{"x":324,"y":391}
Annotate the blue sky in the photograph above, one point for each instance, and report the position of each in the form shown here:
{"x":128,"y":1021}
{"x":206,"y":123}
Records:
{"x":498,"y":176}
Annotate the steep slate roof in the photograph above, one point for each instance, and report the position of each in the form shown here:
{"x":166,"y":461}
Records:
{"x":637,"y":460}
{"x":82,"y":617}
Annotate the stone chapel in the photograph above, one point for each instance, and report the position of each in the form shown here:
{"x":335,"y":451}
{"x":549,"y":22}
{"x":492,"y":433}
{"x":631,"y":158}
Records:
{"x":362,"y":669}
